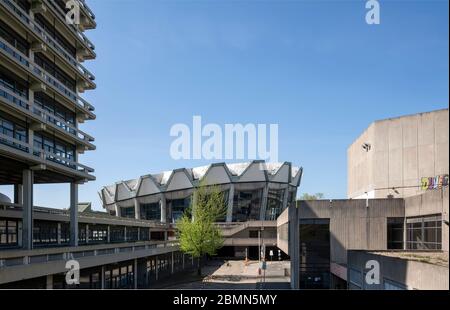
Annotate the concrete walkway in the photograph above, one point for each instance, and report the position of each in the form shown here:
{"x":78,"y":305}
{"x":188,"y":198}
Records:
{"x":240,"y":275}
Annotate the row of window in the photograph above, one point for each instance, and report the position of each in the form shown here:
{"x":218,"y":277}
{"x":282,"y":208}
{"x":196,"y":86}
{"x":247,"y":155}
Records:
{"x":50,"y":67}
{"x":13,"y":84}
{"x":51,"y":30}
{"x":246,"y":207}
{"x":422,"y":233}
{"x":46,"y":233}
{"x":13,"y":38}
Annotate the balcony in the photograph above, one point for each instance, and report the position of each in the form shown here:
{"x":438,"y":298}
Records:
{"x":57,"y":11}
{"x":41,"y":76}
{"x":26,"y":20}
{"x":20,"y":103}
{"x":27,"y":152}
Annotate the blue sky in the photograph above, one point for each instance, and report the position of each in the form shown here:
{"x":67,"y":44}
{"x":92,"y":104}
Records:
{"x":313,"y":67}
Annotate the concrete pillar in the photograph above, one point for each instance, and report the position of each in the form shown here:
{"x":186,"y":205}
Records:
{"x":125,"y":234}
{"x":59,"y":233}
{"x":230,"y":204}
{"x":285,"y":199}
{"x":157,"y":268}
{"x":108,"y":237}
{"x":49,"y":282}
{"x":73,"y":214}
{"x":87,"y":233}
{"x":264,"y":202}
{"x":18,"y":194}
{"x":102,"y":278}
{"x":27,"y":214}
{"x":137,"y":209}
{"x":117,"y":209}
{"x":163,"y":207}
{"x":135,"y":273}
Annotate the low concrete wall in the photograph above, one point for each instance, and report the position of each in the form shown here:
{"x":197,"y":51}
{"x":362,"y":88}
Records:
{"x":412,"y":274}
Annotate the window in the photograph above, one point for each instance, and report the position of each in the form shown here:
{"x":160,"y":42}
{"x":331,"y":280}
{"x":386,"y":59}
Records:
{"x":127,"y":212}
{"x":49,"y":105}
{"x":132,"y":233}
{"x":13,"y":38}
{"x":392,"y":285}
{"x":247,"y":205}
{"x":395,"y":233}
{"x":8,"y":232}
{"x":274,"y":204}
{"x":54,"y":146}
{"x":117,"y":234}
{"x":14,"y":84}
{"x":45,"y":232}
{"x":424,"y":233}
{"x":53,"y":70}
{"x":14,"y":131}
{"x":98,"y":233}
{"x":178,"y":207}
{"x":151,"y":211}
{"x":68,"y":47}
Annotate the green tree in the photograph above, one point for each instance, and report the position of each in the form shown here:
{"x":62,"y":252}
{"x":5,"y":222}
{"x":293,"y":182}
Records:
{"x":197,"y":231}
{"x":307,"y":196}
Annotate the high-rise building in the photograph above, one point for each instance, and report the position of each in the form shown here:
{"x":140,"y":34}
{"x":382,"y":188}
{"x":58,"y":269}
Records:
{"x":41,"y":107}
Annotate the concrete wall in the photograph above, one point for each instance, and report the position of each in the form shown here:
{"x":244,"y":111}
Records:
{"x":412,"y":274}
{"x":354,"y":224}
{"x":403,"y":150}
{"x":431,"y":202}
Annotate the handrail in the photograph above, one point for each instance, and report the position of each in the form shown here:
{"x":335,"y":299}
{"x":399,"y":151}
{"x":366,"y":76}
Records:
{"x":22,"y":102}
{"x":45,"y":155}
{"x":81,"y":215}
{"x":76,"y":31}
{"x":44,"y":76}
{"x":25,"y":18}
{"x":85,"y":250}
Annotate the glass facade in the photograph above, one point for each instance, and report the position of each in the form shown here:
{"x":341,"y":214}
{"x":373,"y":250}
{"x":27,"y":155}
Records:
{"x":178,"y":206}
{"x":247,"y":205}
{"x":424,"y":233}
{"x":15,"y":131}
{"x":45,"y":233}
{"x":127,"y":212}
{"x":274,"y":204}
{"x":13,"y":38}
{"x":9,"y":229}
{"x":151,"y":211}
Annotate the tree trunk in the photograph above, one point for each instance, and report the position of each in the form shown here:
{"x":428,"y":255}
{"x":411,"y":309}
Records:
{"x":199,"y":267}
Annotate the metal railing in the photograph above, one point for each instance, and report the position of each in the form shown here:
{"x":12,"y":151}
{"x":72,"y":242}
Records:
{"x":41,"y":75}
{"x":62,"y":16}
{"x":11,"y":258}
{"x":43,"y":154}
{"x":38,"y":31}
{"x":18,"y":101}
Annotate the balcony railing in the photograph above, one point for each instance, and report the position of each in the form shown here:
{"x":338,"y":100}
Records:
{"x":43,"y":154}
{"x":11,"y":258}
{"x":123,"y":221}
{"x":35,"y":70}
{"x":62,"y":16}
{"x":27,"y":21}
{"x":18,"y":101}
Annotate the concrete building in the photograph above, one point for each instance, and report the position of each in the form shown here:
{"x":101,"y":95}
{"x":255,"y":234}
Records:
{"x":255,"y":192}
{"x":324,"y":235}
{"x":41,"y":81}
{"x":400,"y":168}
{"x":400,"y":156}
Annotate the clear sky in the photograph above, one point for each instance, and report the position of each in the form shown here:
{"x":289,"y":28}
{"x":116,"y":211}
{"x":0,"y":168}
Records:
{"x":313,"y":67}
